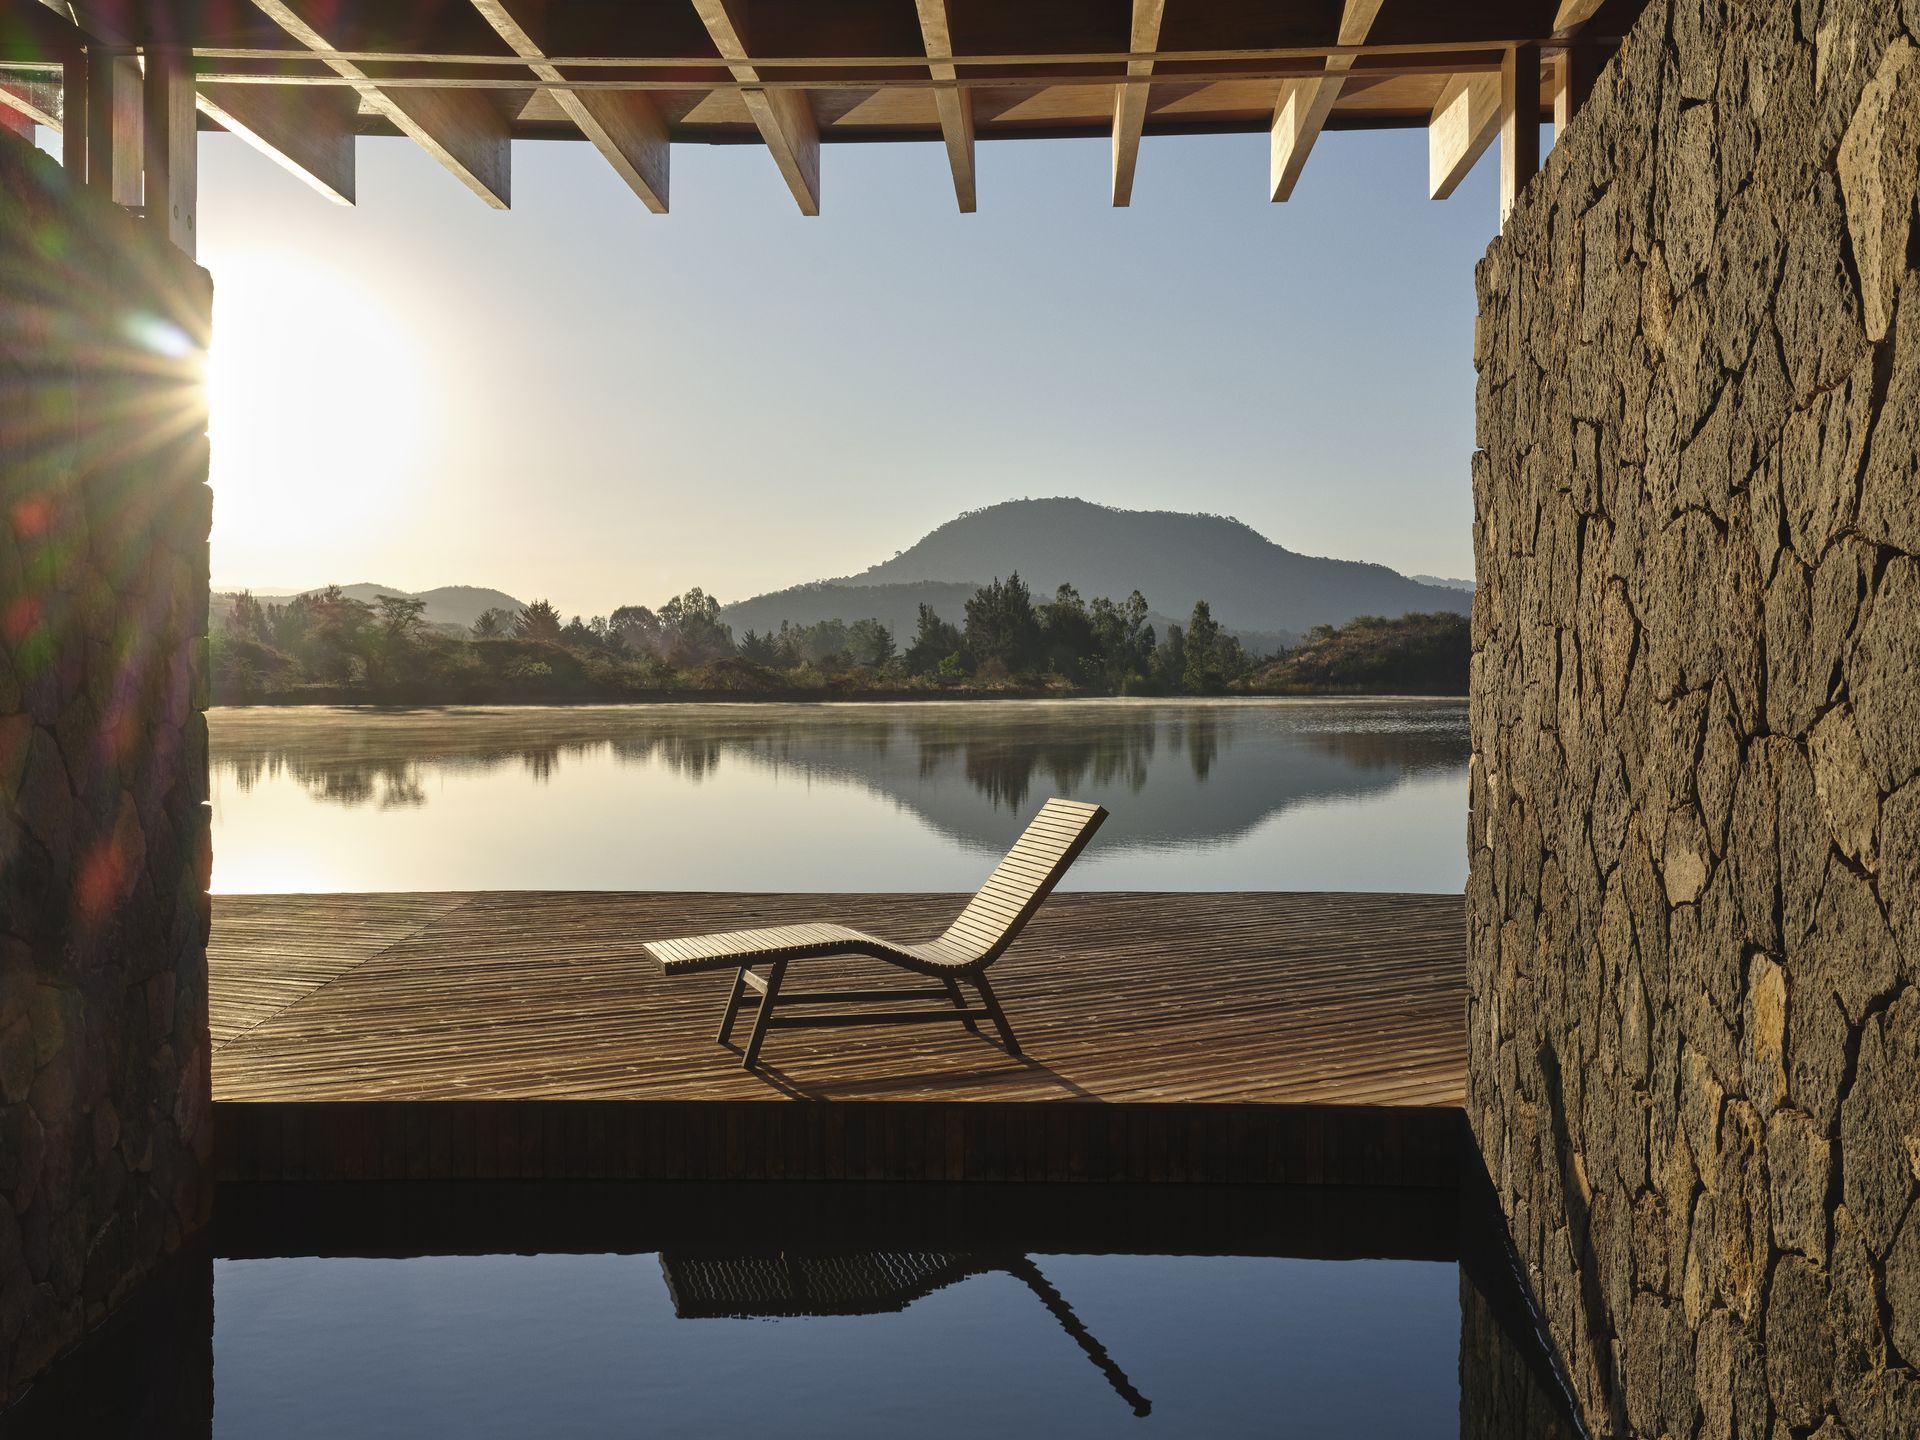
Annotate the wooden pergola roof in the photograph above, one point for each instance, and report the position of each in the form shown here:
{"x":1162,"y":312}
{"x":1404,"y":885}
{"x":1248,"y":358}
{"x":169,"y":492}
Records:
{"x":462,"y":78}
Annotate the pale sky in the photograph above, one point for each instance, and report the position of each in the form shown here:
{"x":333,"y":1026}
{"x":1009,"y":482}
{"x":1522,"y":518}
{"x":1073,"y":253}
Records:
{"x":579,"y":400}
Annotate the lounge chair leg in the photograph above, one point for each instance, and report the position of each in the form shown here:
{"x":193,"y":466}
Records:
{"x":774,"y":974}
{"x":996,"y":1014}
{"x":959,"y":1000}
{"x":733,"y":1005}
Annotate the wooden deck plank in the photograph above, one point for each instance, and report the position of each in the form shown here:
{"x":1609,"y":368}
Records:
{"x":1122,"y":999}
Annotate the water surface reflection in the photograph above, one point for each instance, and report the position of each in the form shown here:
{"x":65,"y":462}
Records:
{"x":820,"y":1309}
{"x":1205,"y":795}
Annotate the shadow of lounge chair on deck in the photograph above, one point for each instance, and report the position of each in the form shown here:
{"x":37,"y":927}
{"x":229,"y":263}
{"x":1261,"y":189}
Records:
{"x":973,"y":942}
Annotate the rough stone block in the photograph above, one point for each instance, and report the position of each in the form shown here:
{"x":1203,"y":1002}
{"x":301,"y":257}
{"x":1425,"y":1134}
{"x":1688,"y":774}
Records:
{"x":1848,"y":794}
{"x":1886,"y":699}
{"x":1880,"y":1123}
{"x":1879,"y":166}
{"x":1800,"y":1171}
{"x":1799,"y":1342}
{"x":1888,"y":515}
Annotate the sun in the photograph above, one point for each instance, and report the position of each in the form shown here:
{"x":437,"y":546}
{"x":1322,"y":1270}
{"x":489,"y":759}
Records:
{"x":319,"y":409}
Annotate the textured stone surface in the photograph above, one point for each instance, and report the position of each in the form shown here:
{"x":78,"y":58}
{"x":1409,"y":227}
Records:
{"x":1694,"y":899}
{"x":104,"y":510}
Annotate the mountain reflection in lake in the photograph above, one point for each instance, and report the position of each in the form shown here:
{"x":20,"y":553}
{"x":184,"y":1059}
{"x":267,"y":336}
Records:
{"x":1205,"y":795}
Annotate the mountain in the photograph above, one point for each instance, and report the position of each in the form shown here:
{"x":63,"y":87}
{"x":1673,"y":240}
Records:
{"x":446,"y":604}
{"x":1444,"y":582}
{"x":1256,"y":588}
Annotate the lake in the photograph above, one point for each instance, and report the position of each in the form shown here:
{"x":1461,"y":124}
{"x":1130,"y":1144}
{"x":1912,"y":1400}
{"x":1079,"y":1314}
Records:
{"x":1205,"y":795}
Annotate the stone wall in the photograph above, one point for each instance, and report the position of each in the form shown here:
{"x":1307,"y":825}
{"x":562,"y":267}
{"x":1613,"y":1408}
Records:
{"x":104,"y":854}
{"x":1695,"y":833}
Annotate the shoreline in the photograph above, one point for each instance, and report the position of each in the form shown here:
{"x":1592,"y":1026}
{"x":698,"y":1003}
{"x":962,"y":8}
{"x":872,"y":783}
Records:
{"x":354,"y":700}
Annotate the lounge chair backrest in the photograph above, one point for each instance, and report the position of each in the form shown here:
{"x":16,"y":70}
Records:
{"x":1025,"y":877}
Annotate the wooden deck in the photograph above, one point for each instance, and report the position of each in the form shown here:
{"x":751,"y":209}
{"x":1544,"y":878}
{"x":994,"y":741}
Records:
{"x":1288,"y":1037}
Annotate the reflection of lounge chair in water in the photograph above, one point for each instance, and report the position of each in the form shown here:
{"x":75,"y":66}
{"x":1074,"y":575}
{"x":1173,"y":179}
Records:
{"x":985,"y":928}
{"x":859,"y":1282}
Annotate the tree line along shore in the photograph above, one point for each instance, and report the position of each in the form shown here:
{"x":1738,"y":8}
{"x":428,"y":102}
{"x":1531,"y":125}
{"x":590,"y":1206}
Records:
{"x":328,"y":648}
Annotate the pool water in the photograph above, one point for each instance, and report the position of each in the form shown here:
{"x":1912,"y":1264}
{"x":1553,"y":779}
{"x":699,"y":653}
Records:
{"x":822,"y":1310}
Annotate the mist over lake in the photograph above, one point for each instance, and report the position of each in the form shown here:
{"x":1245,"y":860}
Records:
{"x":1205,"y":795}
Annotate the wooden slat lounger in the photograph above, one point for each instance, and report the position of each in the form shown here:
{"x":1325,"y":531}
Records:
{"x":984,"y":930}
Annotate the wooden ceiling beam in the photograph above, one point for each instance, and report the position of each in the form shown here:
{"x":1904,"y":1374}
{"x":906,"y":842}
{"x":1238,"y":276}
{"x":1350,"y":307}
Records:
{"x":1464,"y":123}
{"x":170,"y":146}
{"x":1300,"y":112}
{"x":463,"y":129}
{"x":1575,"y":71}
{"x":1572,"y":14}
{"x":956,"y":110}
{"x":1519,"y":124}
{"x":113,"y":122}
{"x":308,"y":132}
{"x":625,"y":126}
{"x":1130,"y":97}
{"x":783,"y":117}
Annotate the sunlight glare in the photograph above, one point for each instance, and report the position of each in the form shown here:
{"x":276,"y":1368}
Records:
{"x":320,"y":409}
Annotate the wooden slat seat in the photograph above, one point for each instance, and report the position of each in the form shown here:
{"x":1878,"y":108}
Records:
{"x":979,"y":936}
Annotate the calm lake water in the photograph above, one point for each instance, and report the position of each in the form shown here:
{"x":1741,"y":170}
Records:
{"x":1205,"y":795}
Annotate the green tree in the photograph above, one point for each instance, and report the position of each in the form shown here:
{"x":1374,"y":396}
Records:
{"x":825,"y":642}
{"x":869,"y":643}
{"x":760,"y":649}
{"x":491,"y":624}
{"x":1001,"y":625}
{"x":1214,"y":659}
{"x":1066,"y":634}
{"x":934,"y":641}
{"x":691,"y":630}
{"x":1170,"y":659}
{"x":248,"y":619}
{"x":635,"y":629}
{"x":539,"y":621}
{"x":1123,"y":640}
{"x":577,"y":634}
{"x":400,"y":617}
{"x":333,"y":629}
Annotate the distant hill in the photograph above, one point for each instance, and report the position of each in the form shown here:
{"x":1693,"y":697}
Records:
{"x":446,"y":604}
{"x":1408,"y":655}
{"x":1444,"y":583}
{"x":1260,"y":590}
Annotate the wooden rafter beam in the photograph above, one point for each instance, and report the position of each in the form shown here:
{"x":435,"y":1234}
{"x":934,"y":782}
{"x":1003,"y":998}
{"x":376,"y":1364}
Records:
{"x":624,"y":126}
{"x":1575,"y":69}
{"x":1130,"y":97}
{"x":309,"y":132}
{"x":956,"y":110}
{"x":1519,"y":124}
{"x":1300,"y":112}
{"x":113,"y":121}
{"x":1572,"y":14}
{"x":1464,"y":123}
{"x":783,"y":117}
{"x":170,"y":146}
{"x":463,"y":129}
